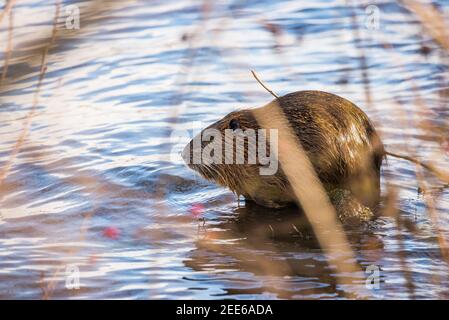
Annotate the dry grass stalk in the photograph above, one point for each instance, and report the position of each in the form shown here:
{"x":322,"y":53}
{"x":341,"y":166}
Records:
{"x":264,"y":86}
{"x":430,"y":200}
{"x":391,"y":210}
{"x":432,"y":20}
{"x":309,"y":192}
{"x":8,"y":50}
{"x":426,"y":125}
{"x":428,"y":17}
{"x":362,"y":56}
{"x":27,"y":122}
{"x":29,"y":116}
{"x":92,"y":13}
{"x":7,"y":9}
{"x":434,"y":217}
{"x":440,"y":174}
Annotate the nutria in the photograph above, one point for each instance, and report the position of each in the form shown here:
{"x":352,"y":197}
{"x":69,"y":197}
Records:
{"x":337,"y":136}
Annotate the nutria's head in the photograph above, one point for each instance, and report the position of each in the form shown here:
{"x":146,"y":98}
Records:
{"x":234,"y":152}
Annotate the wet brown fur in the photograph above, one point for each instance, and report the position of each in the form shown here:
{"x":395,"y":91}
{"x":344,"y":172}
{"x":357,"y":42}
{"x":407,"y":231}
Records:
{"x":338,"y":137}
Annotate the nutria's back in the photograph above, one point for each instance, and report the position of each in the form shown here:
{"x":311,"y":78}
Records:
{"x":338,"y":137}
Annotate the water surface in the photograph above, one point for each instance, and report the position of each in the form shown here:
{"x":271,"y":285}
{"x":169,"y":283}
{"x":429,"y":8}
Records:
{"x":94,"y":187}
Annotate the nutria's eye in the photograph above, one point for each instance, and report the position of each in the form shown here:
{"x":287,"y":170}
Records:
{"x":234,"y":124}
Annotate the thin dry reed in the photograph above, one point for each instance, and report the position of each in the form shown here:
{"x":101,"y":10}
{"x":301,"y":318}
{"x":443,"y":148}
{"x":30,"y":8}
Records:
{"x":8,"y":50}
{"x":27,"y":122}
{"x":309,"y":192}
{"x":7,"y":9}
{"x":432,"y":20}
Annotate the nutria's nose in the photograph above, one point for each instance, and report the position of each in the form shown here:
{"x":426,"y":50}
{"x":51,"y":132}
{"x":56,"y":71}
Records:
{"x":186,"y":154}
{"x":193,"y":150}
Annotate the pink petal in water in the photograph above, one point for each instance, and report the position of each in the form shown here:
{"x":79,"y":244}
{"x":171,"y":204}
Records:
{"x":111,"y":233}
{"x":197,"y":210}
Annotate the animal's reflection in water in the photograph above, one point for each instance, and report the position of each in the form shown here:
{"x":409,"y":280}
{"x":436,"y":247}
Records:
{"x":275,"y":251}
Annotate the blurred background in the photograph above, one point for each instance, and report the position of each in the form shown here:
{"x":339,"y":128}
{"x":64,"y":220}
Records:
{"x":94,"y":205}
